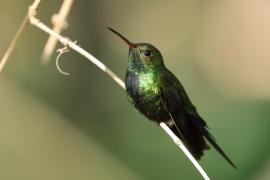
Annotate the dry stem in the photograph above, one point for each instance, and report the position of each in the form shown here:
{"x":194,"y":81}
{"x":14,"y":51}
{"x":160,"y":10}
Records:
{"x":12,"y":46}
{"x":59,"y":22}
{"x":179,"y":143}
{"x":66,"y":42}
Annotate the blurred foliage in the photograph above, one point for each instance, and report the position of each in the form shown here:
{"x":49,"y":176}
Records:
{"x":82,"y":127}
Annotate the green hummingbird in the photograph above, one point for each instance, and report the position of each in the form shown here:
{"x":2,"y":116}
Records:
{"x":159,"y":95}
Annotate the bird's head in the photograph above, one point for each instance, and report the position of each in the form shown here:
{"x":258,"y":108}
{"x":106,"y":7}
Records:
{"x":142,"y":54}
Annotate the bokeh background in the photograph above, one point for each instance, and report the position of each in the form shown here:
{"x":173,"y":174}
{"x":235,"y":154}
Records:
{"x":82,"y":127}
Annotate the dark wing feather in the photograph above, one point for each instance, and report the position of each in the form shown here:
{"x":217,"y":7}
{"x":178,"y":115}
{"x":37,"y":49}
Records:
{"x":182,"y":127}
{"x":188,"y":125}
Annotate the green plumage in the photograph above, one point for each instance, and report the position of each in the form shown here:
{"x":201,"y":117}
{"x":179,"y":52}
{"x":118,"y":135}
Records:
{"x":159,"y":95}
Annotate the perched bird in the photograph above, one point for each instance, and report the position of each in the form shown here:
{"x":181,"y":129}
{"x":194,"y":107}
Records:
{"x":160,"y":96}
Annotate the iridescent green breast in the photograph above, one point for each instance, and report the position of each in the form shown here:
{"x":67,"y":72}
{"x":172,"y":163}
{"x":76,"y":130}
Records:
{"x":148,"y":84}
{"x":143,"y":93}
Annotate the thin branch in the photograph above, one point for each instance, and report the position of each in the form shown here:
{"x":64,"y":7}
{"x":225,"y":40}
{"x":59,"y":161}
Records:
{"x":66,"y":42}
{"x":179,"y":143}
{"x":60,"y":23}
{"x":35,"y":5}
{"x":14,"y":41}
{"x":72,"y":45}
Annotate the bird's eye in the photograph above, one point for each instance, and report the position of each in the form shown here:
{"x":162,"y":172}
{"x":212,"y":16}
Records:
{"x":147,"y":53}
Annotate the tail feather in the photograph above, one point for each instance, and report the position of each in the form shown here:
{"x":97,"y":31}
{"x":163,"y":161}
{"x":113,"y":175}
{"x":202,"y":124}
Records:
{"x":193,"y":130}
{"x":219,"y":150}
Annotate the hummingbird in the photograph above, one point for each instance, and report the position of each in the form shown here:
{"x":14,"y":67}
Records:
{"x":158,"y":94}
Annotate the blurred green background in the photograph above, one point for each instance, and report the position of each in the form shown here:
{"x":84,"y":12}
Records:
{"x":82,"y":126}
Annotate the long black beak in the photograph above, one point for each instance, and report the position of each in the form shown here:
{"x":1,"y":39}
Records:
{"x":130,"y":44}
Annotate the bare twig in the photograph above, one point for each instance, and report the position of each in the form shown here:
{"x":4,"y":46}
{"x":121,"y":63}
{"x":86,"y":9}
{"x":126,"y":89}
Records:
{"x":72,"y":45}
{"x":60,"y":23}
{"x":14,"y":41}
{"x":75,"y":47}
{"x":35,"y":5}
{"x":179,"y":143}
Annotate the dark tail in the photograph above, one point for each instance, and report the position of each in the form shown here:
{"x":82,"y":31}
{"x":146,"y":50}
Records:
{"x":193,"y":131}
{"x":211,"y":140}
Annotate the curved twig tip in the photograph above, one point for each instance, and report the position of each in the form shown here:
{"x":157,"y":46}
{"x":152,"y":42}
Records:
{"x":61,"y":51}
